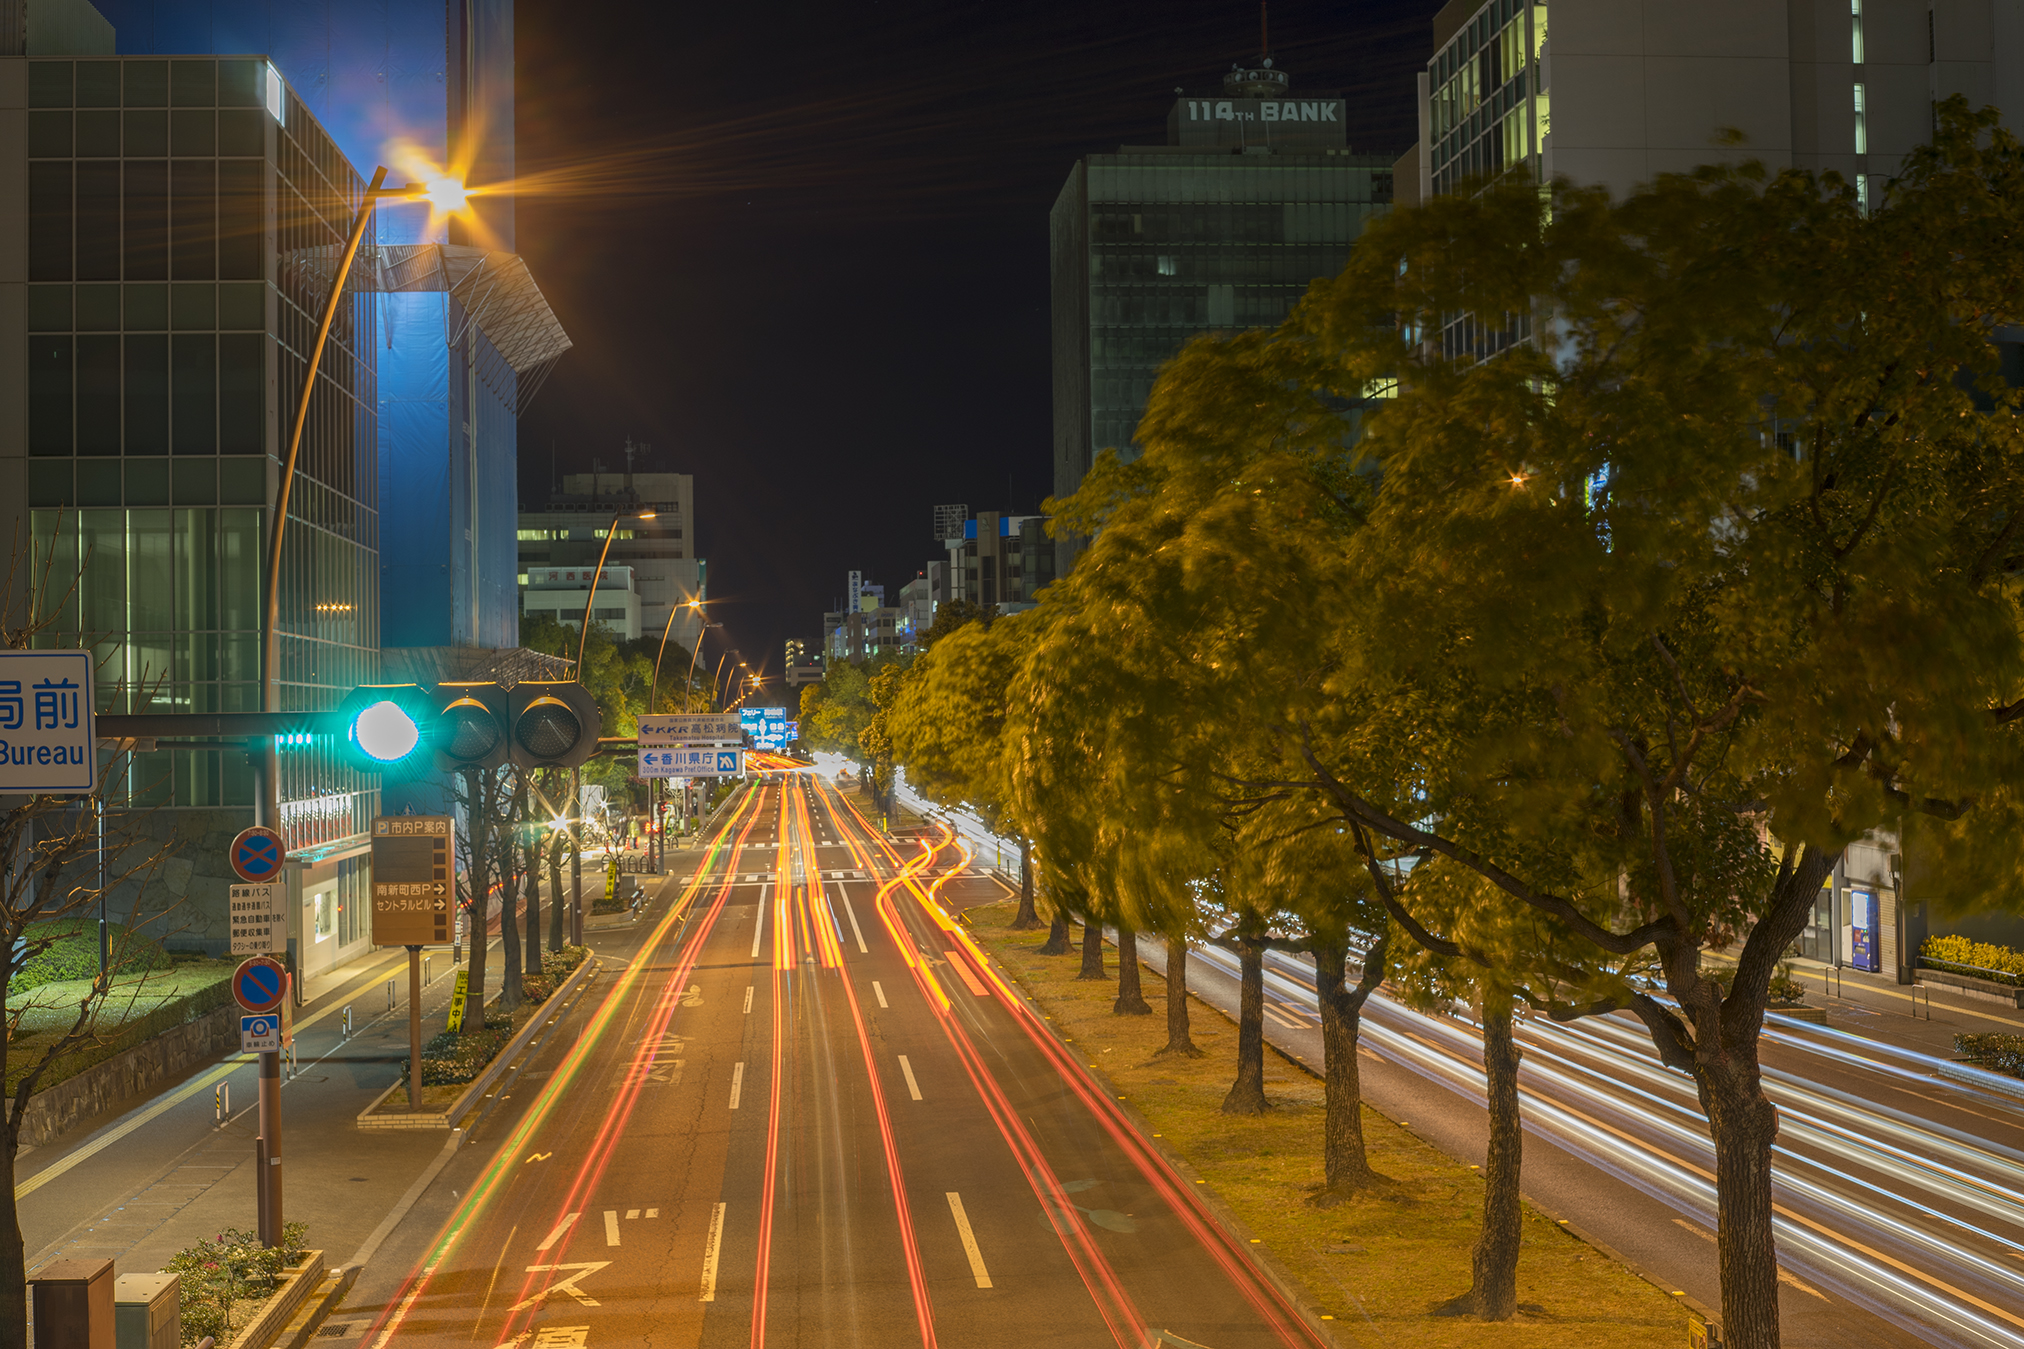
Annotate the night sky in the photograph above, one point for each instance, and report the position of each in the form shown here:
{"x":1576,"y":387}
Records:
{"x":802,"y":248}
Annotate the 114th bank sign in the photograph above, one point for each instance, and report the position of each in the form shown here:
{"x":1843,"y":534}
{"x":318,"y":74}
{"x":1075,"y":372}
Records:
{"x":47,"y":743}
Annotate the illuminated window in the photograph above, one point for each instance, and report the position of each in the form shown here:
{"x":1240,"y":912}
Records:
{"x":1861,"y":123}
{"x":1855,"y":30}
{"x":1166,"y":264}
{"x":277,"y":106}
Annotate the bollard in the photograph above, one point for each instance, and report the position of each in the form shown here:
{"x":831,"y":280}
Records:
{"x":426,"y":976}
{"x":347,"y":1021}
{"x":222,"y":1099}
{"x":390,"y":995}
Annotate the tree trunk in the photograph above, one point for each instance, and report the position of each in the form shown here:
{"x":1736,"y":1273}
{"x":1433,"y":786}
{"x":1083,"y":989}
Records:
{"x":557,"y":934}
{"x":1345,"y":1165}
{"x":1092,"y":952}
{"x":1247,"y":1093}
{"x":13,"y":1253}
{"x":480,"y":879}
{"x":1744,"y":1124}
{"x":1131,"y":999}
{"x":511,"y":990}
{"x":1028,"y":918}
{"x":1057,"y":943}
{"x":1179,"y":1041}
{"x":1495,"y":1261}
{"x":532,"y":855}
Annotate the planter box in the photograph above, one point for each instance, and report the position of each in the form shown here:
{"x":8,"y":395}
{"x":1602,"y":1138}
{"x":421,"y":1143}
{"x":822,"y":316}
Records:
{"x":463,"y":1105}
{"x":1968,"y":986}
{"x":1816,"y":1016}
{"x":279,"y":1309}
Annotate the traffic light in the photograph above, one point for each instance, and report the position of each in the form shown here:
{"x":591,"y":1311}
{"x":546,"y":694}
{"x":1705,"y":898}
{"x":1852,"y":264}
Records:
{"x":555,"y":723}
{"x":382,"y":727}
{"x":470,"y":726}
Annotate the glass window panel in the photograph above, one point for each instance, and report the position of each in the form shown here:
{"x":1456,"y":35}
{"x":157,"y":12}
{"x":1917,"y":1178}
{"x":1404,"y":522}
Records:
{"x":193,"y":305}
{"x":196,"y":569}
{"x":147,"y":84}
{"x":147,"y":480}
{"x":239,"y":563}
{"x":196,"y":482}
{"x":242,"y":482}
{"x":147,"y":307}
{"x":49,"y":395}
{"x":152,"y":589}
{"x":49,"y":221}
{"x":98,"y":482}
{"x":98,"y":221}
{"x":147,"y":220}
{"x":241,"y":131}
{"x":193,"y":133}
{"x":147,"y":134}
{"x":147,"y":395}
{"x":49,"y":309}
{"x":193,"y":84}
{"x":102,"y":588}
{"x":242,"y":235}
{"x":242,"y":305}
{"x":98,"y":84}
{"x":49,"y":84}
{"x":193,"y":226}
{"x":98,"y":309}
{"x":98,"y":401}
{"x":49,"y":135}
{"x":238,"y":84}
{"x":194,"y":390}
{"x":241,"y":407}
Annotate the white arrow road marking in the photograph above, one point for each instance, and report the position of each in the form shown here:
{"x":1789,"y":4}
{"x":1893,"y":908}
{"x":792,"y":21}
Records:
{"x":969,"y":1240}
{"x":712,"y":1248}
{"x":560,"y":1228}
{"x":879,"y":991}
{"x":737,"y":1083}
{"x":567,"y":1285}
{"x":913,"y":1087}
{"x":611,"y":1227}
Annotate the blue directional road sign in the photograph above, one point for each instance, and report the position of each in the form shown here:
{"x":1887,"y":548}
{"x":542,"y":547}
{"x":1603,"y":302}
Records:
{"x":259,"y":984}
{"x":691,"y":761}
{"x":257,"y":855}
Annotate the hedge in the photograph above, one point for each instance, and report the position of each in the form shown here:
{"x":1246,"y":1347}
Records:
{"x":1998,"y":1053}
{"x":90,"y":1053}
{"x":73,"y":953}
{"x":1976,"y":959}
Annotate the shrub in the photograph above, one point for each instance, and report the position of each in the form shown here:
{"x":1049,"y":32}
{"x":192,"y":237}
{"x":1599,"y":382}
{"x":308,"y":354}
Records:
{"x":1783,"y":988}
{"x":453,"y":1058}
{"x":232,"y":1269}
{"x":557,"y":965}
{"x":72,"y":953}
{"x":1998,"y":1053}
{"x":1978,"y":959}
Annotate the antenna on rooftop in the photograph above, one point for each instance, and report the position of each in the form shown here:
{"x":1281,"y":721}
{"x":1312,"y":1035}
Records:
{"x":1264,"y":33}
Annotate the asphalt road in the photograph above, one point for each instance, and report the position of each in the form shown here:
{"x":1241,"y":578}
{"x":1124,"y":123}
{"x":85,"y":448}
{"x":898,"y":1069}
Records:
{"x":805,"y":1111}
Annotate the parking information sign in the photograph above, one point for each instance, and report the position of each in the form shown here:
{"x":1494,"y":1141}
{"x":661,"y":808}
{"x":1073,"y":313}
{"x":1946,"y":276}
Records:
{"x":691,"y":763}
{"x":259,"y":927}
{"x":260,"y":1034}
{"x":414,"y":883}
{"x":689,"y":728}
{"x":47,"y":741}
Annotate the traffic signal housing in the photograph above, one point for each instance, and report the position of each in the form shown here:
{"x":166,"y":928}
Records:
{"x":470,"y":728}
{"x":555,"y":723}
{"x":381,"y":727}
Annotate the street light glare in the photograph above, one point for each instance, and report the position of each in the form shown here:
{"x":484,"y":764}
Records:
{"x":446,"y":194}
{"x":386,"y":732}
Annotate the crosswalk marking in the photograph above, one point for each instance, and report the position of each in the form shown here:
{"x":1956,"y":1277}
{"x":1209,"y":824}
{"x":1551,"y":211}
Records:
{"x":611,"y":1227}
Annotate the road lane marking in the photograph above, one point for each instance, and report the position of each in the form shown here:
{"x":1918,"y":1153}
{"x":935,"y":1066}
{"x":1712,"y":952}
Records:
{"x":1270,"y":1011}
{"x":632,"y":1213}
{"x":653,"y":1213}
{"x":748,"y":1000}
{"x":880,"y":992}
{"x":712,"y":1248}
{"x":556,"y":1235}
{"x":759,"y":926}
{"x":737,"y":1083}
{"x":611,"y":1227}
{"x":568,"y":1285}
{"x":856,"y":931}
{"x":913,"y":1087}
{"x":969,"y":1239}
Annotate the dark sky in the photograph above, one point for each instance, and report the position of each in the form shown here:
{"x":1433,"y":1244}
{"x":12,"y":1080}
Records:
{"x":802,"y":247}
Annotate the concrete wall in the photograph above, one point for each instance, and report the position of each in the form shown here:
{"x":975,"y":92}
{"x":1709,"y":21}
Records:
{"x":126,"y":1076}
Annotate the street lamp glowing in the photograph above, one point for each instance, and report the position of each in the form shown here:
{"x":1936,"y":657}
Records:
{"x":385,"y":731}
{"x":445,"y":194}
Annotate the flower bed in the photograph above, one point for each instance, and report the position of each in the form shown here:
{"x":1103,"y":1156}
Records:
{"x":226,"y":1279}
{"x":1997,"y":1053}
{"x":1974,"y":959}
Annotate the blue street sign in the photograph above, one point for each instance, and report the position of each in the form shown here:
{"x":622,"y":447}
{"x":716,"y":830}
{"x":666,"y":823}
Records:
{"x":260,"y":1034}
{"x":258,"y":984}
{"x":257,"y":855}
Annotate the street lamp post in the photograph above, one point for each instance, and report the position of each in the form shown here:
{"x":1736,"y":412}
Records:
{"x":266,"y":771}
{"x":576,"y":774}
{"x":653,"y":701}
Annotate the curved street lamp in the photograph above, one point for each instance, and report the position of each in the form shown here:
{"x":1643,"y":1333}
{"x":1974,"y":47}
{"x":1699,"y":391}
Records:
{"x":583,"y":638}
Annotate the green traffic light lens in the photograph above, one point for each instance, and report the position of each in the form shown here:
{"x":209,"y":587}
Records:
{"x":385,"y":732}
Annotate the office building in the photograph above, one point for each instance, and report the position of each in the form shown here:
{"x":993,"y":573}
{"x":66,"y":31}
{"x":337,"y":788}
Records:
{"x":999,"y":561}
{"x":570,"y":532}
{"x":1254,"y":194}
{"x":560,"y":593}
{"x":865,"y":628}
{"x":917,"y":608}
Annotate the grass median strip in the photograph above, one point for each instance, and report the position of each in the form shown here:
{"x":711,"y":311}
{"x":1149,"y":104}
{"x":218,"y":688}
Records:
{"x":1382,"y":1265}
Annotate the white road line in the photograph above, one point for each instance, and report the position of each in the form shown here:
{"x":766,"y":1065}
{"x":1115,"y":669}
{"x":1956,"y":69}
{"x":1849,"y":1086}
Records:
{"x":969,"y":1240}
{"x":1281,"y":1018}
{"x":611,"y":1227}
{"x":711,"y":1249}
{"x":653,"y":1213}
{"x":560,"y":1228}
{"x":737,"y":1083}
{"x":879,"y":991}
{"x":748,"y":1000}
{"x":632,"y":1213}
{"x":759,"y":927}
{"x":856,"y":931}
{"x":913,"y":1087}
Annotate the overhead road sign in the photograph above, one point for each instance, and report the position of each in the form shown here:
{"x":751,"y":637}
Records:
{"x":688,"y":728}
{"x":47,"y":740}
{"x":259,"y":926}
{"x":692,"y":762}
{"x":414,"y":883}
{"x":257,"y":855}
{"x":259,"y":984}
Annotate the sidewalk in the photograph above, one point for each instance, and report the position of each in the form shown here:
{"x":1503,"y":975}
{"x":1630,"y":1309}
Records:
{"x":1921,"y":1017}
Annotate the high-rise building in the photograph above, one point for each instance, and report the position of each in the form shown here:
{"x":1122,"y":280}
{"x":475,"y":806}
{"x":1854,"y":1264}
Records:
{"x":999,"y":560}
{"x":660,"y":551}
{"x":1614,"y":94}
{"x":1255,"y":194}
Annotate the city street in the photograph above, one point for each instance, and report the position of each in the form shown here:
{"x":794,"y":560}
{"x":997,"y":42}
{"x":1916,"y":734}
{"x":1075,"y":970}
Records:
{"x":808,"y":1113}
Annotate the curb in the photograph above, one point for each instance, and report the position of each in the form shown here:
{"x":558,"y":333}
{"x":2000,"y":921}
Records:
{"x":1983,"y":1078}
{"x":330,"y":1292}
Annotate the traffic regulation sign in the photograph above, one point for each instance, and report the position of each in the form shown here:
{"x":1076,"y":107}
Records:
{"x":258,"y":924}
{"x":259,"y":984}
{"x":260,"y":1034}
{"x":257,"y":854}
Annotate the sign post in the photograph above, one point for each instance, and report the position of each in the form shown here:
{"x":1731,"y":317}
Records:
{"x":413,"y":893}
{"x":260,"y":986}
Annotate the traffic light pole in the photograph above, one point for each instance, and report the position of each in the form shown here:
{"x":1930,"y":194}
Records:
{"x":576,"y":857}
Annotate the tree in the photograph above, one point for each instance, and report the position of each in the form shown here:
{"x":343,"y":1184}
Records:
{"x":1657,"y":612}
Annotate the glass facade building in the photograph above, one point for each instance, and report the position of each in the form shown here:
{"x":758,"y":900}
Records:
{"x":1223,"y":228}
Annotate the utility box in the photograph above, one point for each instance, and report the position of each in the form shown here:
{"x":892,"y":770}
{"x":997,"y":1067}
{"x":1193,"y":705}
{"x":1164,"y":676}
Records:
{"x":147,"y":1311}
{"x":72,"y":1302}
{"x":1704,"y":1331}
